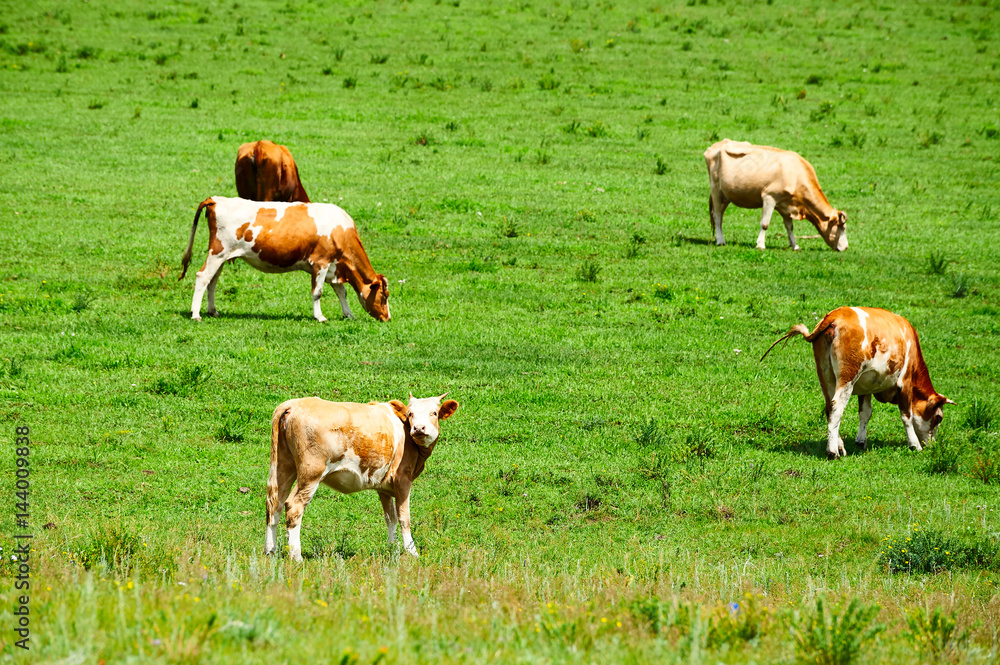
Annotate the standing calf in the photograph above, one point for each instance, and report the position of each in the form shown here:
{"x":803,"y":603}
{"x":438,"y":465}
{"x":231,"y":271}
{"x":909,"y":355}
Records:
{"x":350,"y":447}
{"x":318,"y":238}
{"x":865,"y":351}
{"x":756,"y":176}
{"x":265,"y":171}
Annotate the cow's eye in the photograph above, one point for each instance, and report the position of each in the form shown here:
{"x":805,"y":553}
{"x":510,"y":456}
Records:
{"x":434,"y":413}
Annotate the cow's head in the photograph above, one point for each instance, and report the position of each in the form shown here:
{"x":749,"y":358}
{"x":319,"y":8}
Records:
{"x":424,"y":416}
{"x":835,"y":233}
{"x":374,"y":298}
{"x":927,"y":415}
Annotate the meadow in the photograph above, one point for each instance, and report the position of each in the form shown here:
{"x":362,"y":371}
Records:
{"x":624,"y":480}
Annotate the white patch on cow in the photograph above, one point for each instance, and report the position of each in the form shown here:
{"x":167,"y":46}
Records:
{"x":328,"y":217}
{"x":409,"y":545}
{"x":906,"y":363}
{"x":874,"y":375}
{"x":862,"y":316}
{"x":294,"y":543}
{"x":271,"y":538}
{"x":345,"y":475}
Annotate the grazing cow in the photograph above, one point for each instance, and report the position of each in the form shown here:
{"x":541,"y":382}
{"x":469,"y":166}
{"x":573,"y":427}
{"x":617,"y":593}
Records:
{"x":350,"y":447}
{"x":265,"y":171}
{"x":318,"y":238}
{"x":756,"y":176}
{"x":865,"y":351}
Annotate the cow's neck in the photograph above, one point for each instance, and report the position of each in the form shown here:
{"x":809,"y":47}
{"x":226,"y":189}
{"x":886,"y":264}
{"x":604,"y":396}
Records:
{"x":420,"y":454}
{"x":357,"y":269}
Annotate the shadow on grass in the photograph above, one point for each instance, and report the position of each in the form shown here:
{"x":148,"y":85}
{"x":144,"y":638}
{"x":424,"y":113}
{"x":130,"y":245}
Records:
{"x":251,"y":316}
{"x":817,"y":447}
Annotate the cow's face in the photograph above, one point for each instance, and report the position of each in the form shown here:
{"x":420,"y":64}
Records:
{"x":927,"y":415}
{"x":424,"y":417}
{"x":836,"y":231}
{"x":375,"y":298}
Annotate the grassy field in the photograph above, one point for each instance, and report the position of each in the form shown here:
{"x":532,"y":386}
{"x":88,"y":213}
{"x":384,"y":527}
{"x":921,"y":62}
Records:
{"x":529,"y":177}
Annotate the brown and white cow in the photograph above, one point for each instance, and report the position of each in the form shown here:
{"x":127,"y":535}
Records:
{"x":265,"y":171}
{"x":349,"y":447}
{"x":319,"y":238}
{"x":756,"y":176}
{"x":866,"y":351}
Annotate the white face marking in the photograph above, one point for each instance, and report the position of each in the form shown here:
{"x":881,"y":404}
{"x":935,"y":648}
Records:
{"x":423,"y":420}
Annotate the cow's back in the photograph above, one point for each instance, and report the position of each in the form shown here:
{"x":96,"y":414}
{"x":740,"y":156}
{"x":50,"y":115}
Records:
{"x":355,"y":444}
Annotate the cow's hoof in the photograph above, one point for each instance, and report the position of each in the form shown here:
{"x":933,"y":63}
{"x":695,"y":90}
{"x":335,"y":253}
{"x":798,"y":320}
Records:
{"x":916,"y":449}
{"x":196,"y":318}
{"x":861,"y":446}
{"x":720,"y":244}
{"x":321,"y":319}
{"x":212,"y":312}
{"x":796,"y":249}
{"x":831,"y":456}
{"x":760,"y":247}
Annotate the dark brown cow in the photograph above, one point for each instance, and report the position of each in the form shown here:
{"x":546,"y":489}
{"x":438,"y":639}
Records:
{"x":866,"y":351}
{"x":318,"y":238}
{"x":265,"y":171}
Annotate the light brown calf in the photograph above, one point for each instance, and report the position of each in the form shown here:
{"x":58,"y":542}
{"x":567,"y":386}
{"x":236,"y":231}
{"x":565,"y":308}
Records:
{"x":757,"y":176}
{"x":349,"y":447}
{"x":865,"y":351}
{"x":318,"y":238}
{"x":265,"y":171}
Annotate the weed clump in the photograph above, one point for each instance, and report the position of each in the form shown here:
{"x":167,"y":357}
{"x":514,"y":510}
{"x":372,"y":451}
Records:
{"x":588,"y":271}
{"x":635,"y":242}
{"x":935,"y":635}
{"x":118,"y":550}
{"x":930,"y":552}
{"x":838,"y":636}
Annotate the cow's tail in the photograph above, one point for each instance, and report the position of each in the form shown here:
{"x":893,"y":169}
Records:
{"x":711,"y":212}
{"x":194,"y":228}
{"x":278,"y":421}
{"x":800,"y":329}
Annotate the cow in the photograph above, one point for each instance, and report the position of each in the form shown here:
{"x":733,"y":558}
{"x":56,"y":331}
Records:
{"x":319,"y":238}
{"x":756,"y":176}
{"x":866,"y":351}
{"x":350,"y":447}
{"x":265,"y":171}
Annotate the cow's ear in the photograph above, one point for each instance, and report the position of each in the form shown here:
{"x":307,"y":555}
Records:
{"x":944,"y":400}
{"x":842,"y":218}
{"x":447,"y":409}
{"x":401,"y":410}
{"x":385,"y":283}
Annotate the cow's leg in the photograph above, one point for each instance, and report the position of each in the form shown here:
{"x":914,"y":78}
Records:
{"x":791,"y":233}
{"x":864,"y":413}
{"x":765,"y":220}
{"x":205,"y":276}
{"x":318,"y":279}
{"x":276,"y":498}
{"x":403,"y":508}
{"x":835,"y":411}
{"x":911,"y":434}
{"x":211,"y":311}
{"x":295,"y":507}
{"x":342,"y":295}
{"x":717,"y":207}
{"x":391,"y":518}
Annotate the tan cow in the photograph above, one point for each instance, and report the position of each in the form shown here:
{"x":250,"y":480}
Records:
{"x":865,"y":351}
{"x":318,"y":238}
{"x":349,"y":447}
{"x":756,"y":176}
{"x":265,"y":171}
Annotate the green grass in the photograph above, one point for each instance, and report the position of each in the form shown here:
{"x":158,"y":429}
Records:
{"x":620,"y":455}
